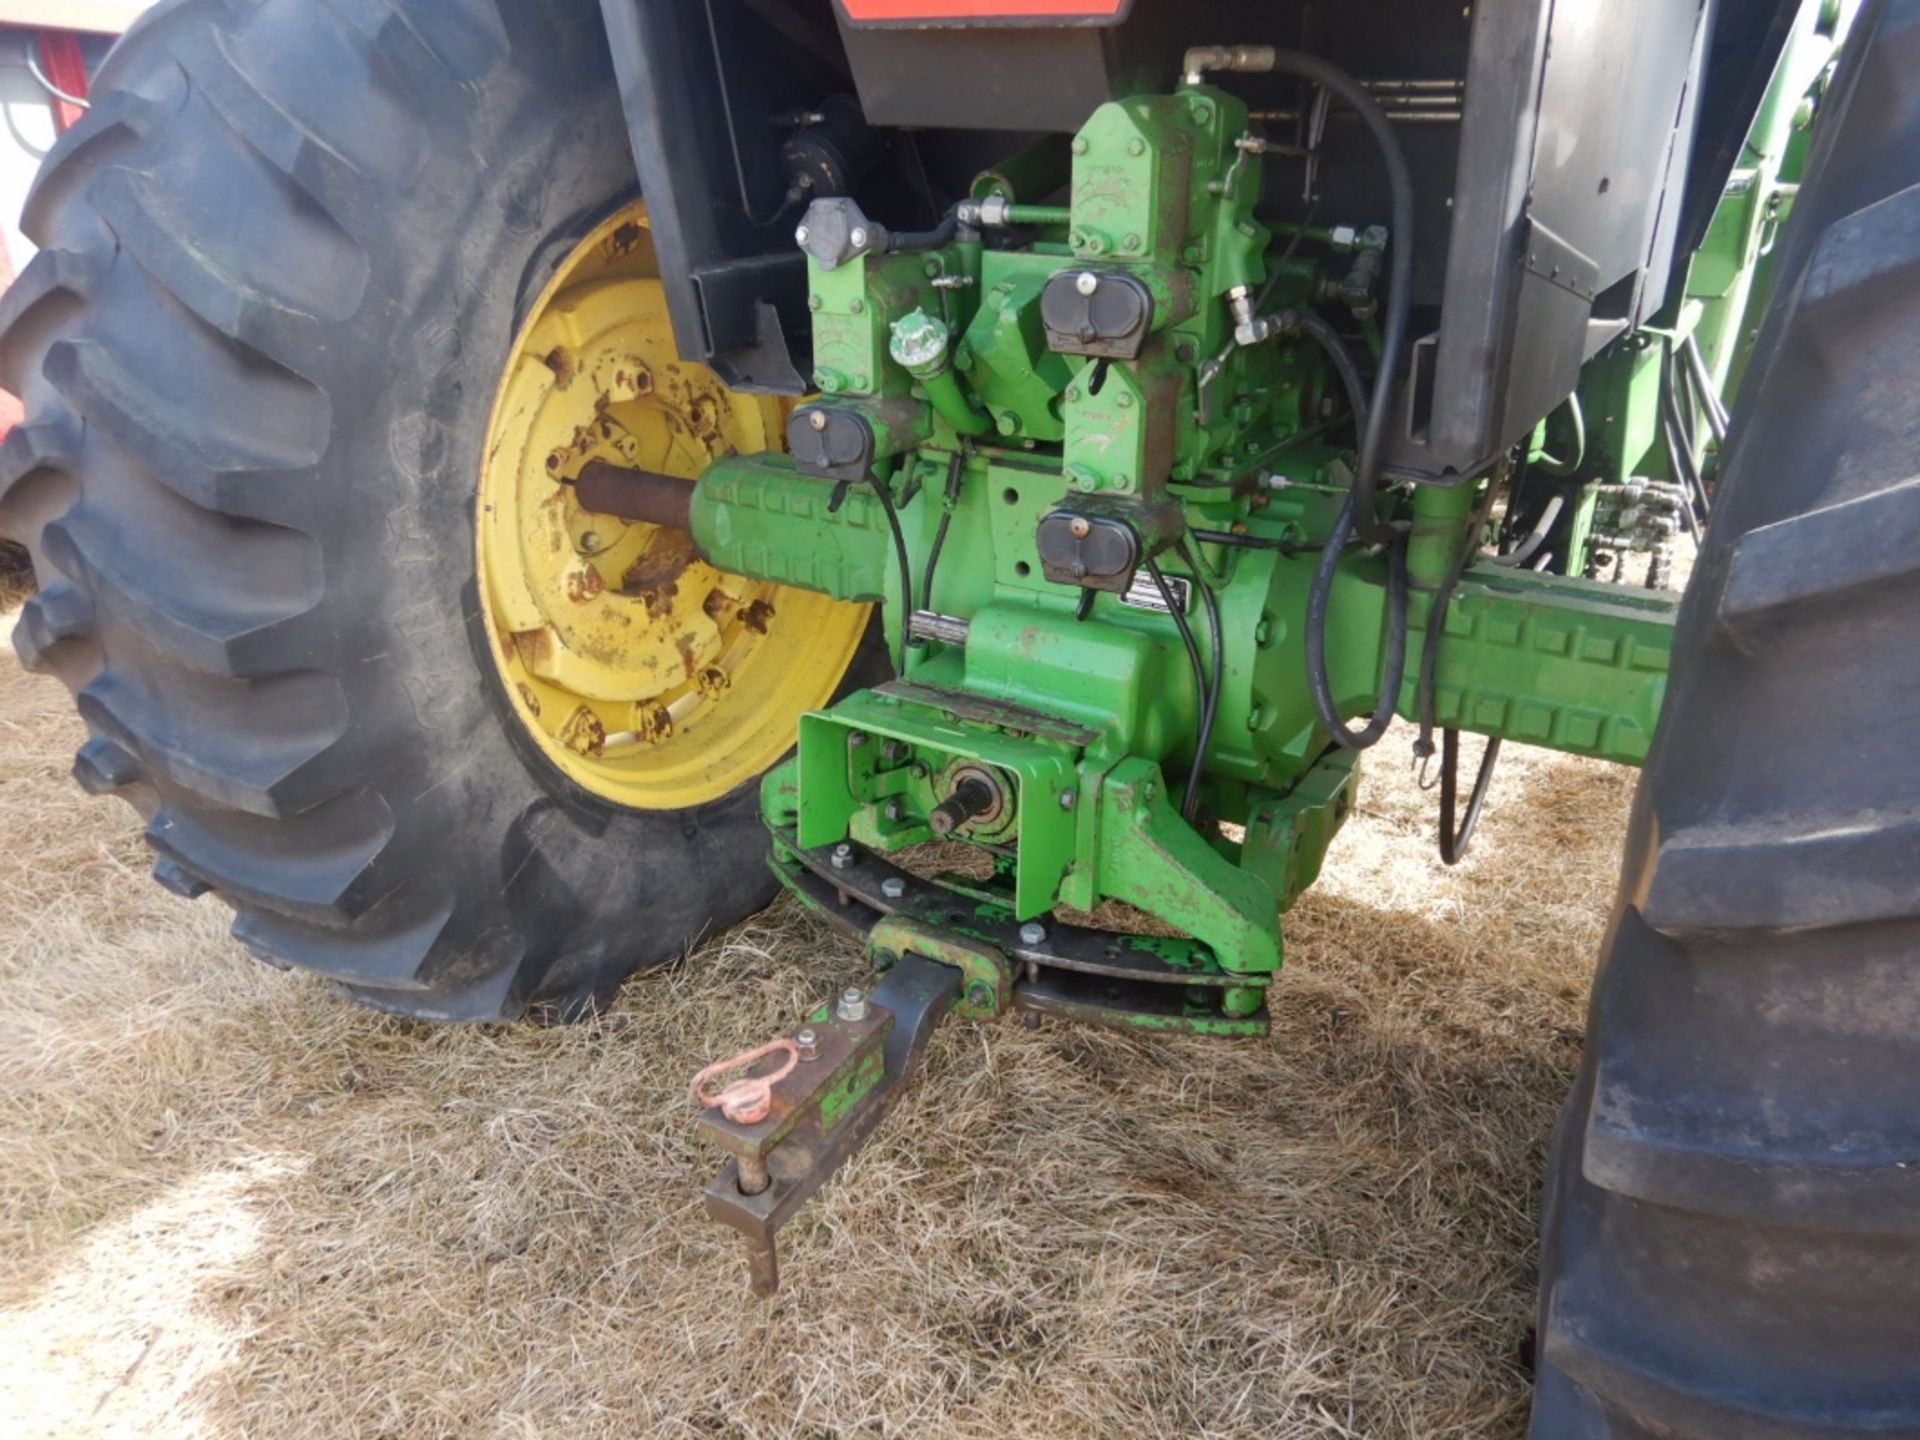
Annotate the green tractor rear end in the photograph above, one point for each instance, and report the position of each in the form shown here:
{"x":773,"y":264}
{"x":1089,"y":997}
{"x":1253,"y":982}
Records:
{"x":514,"y":486}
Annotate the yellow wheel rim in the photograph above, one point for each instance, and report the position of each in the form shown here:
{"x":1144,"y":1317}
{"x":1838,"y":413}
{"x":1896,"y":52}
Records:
{"x":650,"y":678}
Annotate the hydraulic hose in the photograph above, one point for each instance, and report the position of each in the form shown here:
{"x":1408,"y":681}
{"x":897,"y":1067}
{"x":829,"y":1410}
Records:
{"x":912,"y":242}
{"x":1455,"y":841}
{"x":1359,"y":515}
{"x":1393,"y":343}
{"x":1340,"y":355}
{"x":1318,"y":597}
{"x":952,"y":497}
{"x":1216,"y":640}
{"x":1552,"y":464}
{"x":880,"y":488}
{"x":1530,"y":545}
{"x":1710,"y":401}
{"x":1200,"y":686}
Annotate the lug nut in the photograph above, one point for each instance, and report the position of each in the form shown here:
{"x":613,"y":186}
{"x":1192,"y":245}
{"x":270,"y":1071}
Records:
{"x":893,"y":887}
{"x":808,"y":1044}
{"x":1033,"y":933}
{"x":852,"y":1004}
{"x":842,"y":855}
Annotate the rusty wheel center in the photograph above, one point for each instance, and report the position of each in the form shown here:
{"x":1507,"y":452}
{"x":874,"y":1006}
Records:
{"x":649,"y":677}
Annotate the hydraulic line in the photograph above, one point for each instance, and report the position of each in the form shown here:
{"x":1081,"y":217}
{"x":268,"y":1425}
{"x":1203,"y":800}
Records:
{"x":955,"y":467}
{"x":1530,"y":544}
{"x":1200,"y":686}
{"x":1552,"y":464}
{"x":1318,"y":598}
{"x":912,"y":242}
{"x":1359,"y":514}
{"x":1320,"y":595}
{"x":1190,"y":805}
{"x":1338,"y":82}
{"x":1709,"y":398}
{"x":1454,"y":843}
{"x":1340,"y":356}
{"x":881,"y":489}
{"x":1679,"y":452}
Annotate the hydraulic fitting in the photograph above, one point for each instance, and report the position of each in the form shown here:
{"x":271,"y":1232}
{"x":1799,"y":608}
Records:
{"x":919,"y":345}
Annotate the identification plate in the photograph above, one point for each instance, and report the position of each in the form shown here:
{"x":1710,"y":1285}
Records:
{"x":1143,"y":594}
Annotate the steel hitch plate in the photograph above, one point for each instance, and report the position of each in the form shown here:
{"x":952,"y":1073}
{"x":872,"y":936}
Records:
{"x":850,"y":1068}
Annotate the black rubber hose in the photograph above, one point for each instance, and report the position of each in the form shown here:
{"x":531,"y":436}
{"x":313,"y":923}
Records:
{"x":906,"y":567}
{"x":1399,"y":276}
{"x":1710,"y":401}
{"x":1216,"y":639}
{"x":954,"y":467}
{"x":1200,"y":686}
{"x":1253,"y":542}
{"x":1340,"y":355}
{"x":1454,"y":843}
{"x":912,"y":242}
{"x":1321,"y":594}
{"x":1679,"y":454}
{"x":1536,"y":537}
{"x":1318,"y":599}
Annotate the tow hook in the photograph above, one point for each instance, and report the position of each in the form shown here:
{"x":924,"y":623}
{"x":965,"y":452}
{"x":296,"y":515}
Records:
{"x":788,"y":1127}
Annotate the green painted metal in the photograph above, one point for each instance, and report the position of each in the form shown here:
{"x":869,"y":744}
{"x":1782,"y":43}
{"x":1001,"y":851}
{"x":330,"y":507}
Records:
{"x":987,"y":988}
{"x":1079,"y":712}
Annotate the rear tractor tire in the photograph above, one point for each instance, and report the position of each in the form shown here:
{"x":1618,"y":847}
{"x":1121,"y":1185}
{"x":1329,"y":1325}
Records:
{"x":1731,"y":1237}
{"x":331,"y":294}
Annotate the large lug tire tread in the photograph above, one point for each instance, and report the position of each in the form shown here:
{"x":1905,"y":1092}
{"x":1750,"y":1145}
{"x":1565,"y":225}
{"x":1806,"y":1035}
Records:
{"x":1731,"y":1234}
{"x":282,"y":261}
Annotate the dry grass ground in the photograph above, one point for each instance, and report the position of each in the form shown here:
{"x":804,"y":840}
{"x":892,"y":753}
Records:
{"x":230,"y":1205}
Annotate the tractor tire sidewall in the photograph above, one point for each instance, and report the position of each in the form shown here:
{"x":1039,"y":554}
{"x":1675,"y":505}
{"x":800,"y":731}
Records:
{"x":534,"y":891}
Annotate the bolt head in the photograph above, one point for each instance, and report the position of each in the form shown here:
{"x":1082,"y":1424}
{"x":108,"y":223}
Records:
{"x":589,"y":540}
{"x":1033,"y":933}
{"x":894,"y":811}
{"x":842,"y":856}
{"x":852,"y":1004}
{"x":1087,"y":282}
{"x":800,"y":236}
{"x":1069,"y":798}
{"x":817,"y":419}
{"x":893,"y":887}
{"x":808,"y":1044}
{"x":858,"y":235}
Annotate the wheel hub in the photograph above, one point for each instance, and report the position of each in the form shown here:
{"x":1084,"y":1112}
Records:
{"x":649,"y":677}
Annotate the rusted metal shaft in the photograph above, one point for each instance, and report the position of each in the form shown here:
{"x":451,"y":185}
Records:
{"x":644,"y":495}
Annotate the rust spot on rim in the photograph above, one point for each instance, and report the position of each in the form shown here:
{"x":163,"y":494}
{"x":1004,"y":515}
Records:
{"x":561,"y":362}
{"x":756,"y":617}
